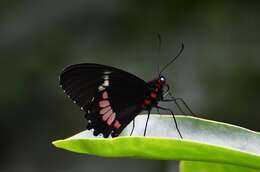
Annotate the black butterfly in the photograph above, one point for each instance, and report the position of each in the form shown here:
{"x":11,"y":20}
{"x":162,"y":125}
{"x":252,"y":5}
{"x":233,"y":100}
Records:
{"x":111,"y":97}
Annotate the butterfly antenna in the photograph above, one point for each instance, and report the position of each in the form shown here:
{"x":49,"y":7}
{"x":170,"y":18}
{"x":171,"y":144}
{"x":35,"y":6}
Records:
{"x":159,"y":50}
{"x":158,"y":70}
{"x":160,"y":41}
{"x":181,"y":50}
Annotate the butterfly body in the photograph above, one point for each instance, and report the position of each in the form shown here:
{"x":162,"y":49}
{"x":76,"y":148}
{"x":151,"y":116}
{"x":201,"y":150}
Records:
{"x":155,"y":94}
{"x":111,"y":97}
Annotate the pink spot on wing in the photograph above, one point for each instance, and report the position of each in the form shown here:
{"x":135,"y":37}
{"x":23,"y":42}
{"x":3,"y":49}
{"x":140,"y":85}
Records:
{"x":104,"y":110}
{"x":117,"y":124}
{"x":104,"y":103}
{"x":107,"y":115}
{"x":111,"y":118}
{"x":105,"y":95}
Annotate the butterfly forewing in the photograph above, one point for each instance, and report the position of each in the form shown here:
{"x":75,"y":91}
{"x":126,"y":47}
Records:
{"x":111,"y":97}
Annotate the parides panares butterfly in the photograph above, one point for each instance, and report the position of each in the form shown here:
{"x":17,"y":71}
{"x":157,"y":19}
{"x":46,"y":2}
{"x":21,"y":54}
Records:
{"x":112,"y":98}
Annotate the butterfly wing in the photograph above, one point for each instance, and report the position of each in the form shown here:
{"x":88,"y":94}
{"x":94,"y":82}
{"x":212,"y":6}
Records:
{"x":110,"y":97}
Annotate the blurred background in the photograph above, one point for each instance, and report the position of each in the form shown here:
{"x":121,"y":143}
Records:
{"x":218,"y":74}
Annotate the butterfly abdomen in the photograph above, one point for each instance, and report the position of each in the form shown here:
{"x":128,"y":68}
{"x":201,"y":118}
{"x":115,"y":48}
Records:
{"x":155,"y":94}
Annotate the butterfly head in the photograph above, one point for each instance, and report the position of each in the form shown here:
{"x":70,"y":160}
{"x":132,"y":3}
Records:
{"x":161,"y":80}
{"x":161,"y":85}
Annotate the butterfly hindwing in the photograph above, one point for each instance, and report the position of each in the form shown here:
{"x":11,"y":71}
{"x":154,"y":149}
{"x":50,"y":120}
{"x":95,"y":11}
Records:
{"x":108,"y":119}
{"x":111,"y":97}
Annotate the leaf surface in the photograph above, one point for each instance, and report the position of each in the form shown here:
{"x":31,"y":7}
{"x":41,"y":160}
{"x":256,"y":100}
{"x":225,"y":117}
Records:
{"x":204,"y":140}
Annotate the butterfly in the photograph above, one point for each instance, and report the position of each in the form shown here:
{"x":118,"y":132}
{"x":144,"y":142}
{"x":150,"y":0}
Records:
{"x":112,"y":97}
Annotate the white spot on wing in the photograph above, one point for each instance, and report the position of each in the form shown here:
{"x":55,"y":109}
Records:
{"x":106,"y":77}
{"x":106,"y":83}
{"x":101,"y":88}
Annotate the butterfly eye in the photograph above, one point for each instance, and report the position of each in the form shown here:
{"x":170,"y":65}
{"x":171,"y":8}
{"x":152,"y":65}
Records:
{"x":162,"y":79}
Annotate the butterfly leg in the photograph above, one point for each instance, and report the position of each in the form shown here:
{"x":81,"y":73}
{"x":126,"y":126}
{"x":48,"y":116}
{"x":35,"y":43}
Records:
{"x":176,"y":103}
{"x":185,"y":104}
{"x":172,"y":99}
{"x":146,"y":124}
{"x":158,"y":111}
{"x":133,"y":127}
{"x":175,"y":100}
{"x":175,"y":121}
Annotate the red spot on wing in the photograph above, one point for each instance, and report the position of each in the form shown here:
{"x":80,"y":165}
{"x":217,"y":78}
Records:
{"x":107,"y":115}
{"x":111,"y":118}
{"x":104,"y":103}
{"x":104,"y":110}
{"x":117,"y":124}
{"x":105,"y":95}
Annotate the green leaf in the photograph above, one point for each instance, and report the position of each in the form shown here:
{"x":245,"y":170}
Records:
{"x":191,"y":166}
{"x":204,"y":140}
